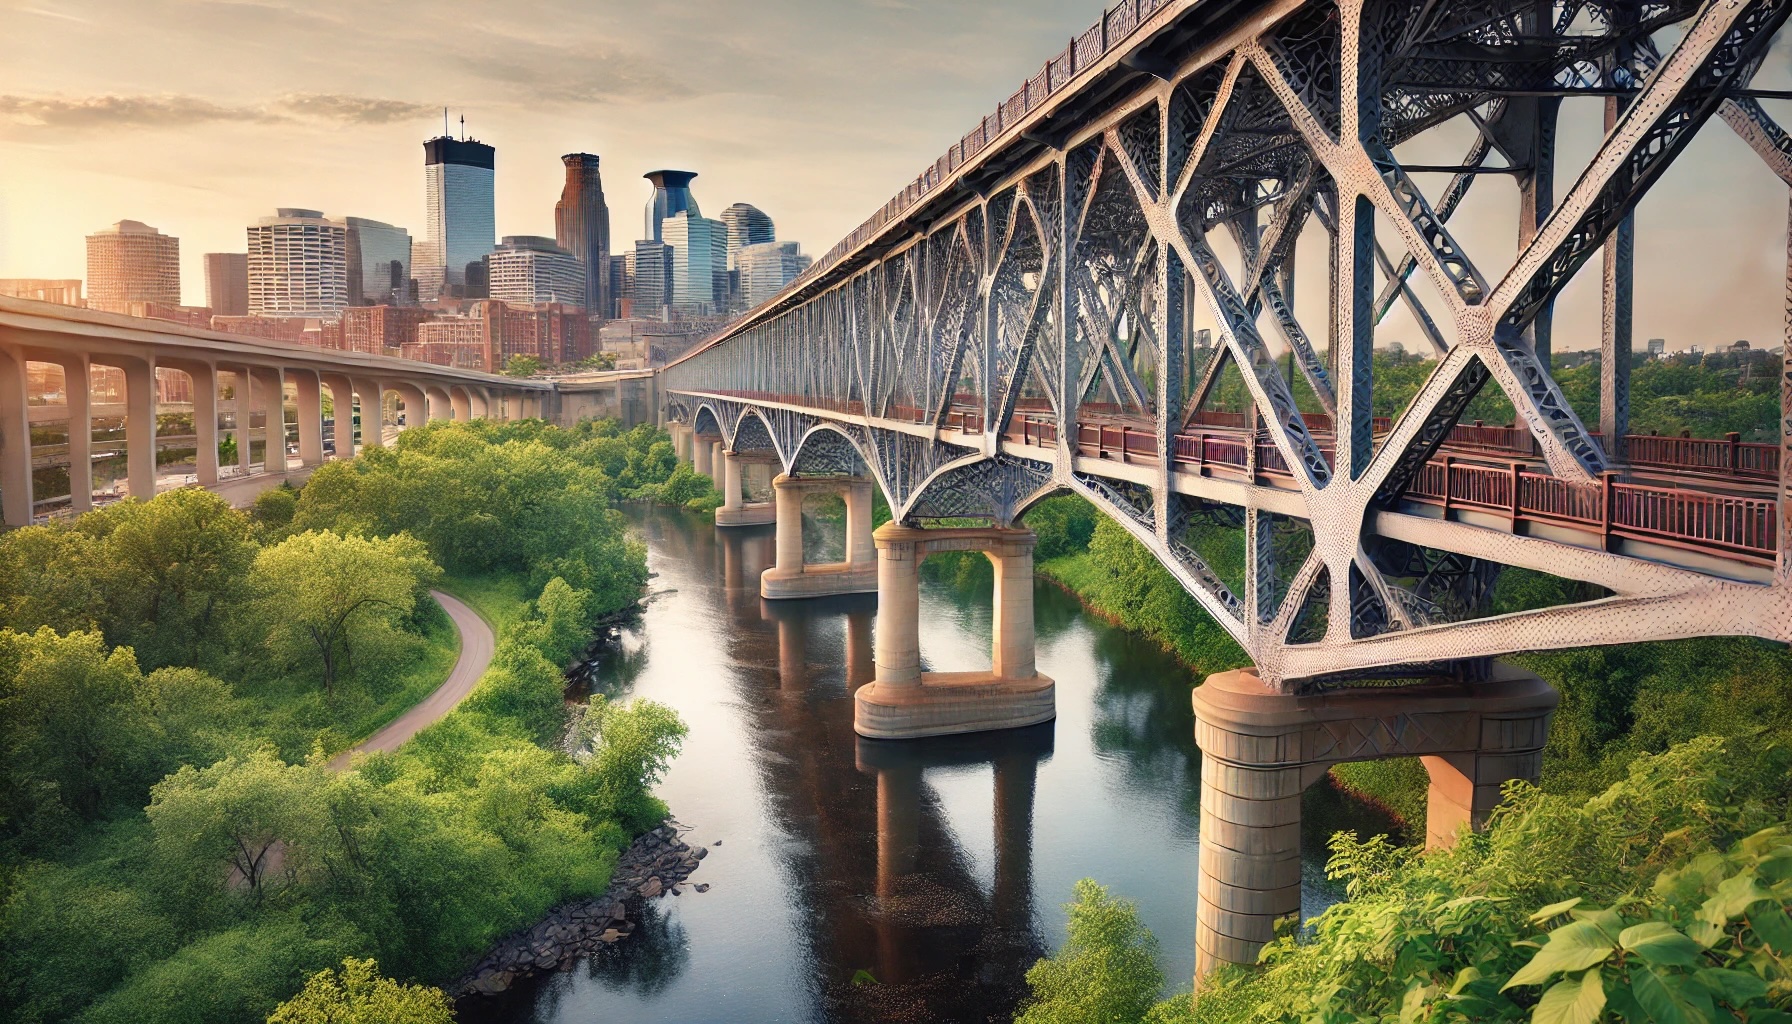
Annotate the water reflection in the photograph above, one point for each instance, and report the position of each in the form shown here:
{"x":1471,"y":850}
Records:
{"x":864,"y":880}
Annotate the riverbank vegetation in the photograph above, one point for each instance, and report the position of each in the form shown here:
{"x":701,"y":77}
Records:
{"x":1645,"y":878}
{"x":174,"y":674}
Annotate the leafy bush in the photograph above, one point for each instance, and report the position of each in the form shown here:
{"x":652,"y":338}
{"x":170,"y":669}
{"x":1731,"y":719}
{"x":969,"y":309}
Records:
{"x":1106,"y":973}
{"x":359,"y":995}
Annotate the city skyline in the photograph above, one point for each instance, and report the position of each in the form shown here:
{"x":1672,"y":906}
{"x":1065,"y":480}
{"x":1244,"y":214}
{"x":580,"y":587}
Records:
{"x":904,"y":79}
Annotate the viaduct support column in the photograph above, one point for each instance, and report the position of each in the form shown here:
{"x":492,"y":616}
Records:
{"x":140,"y":427}
{"x":245,"y":413}
{"x":735,"y":510}
{"x":1261,"y":749}
{"x":310,"y":400}
{"x":205,"y":425}
{"x":76,"y":381}
{"x":902,"y":702}
{"x":270,"y":390}
{"x":791,"y":577}
{"x":15,"y":443}
{"x":373,"y":414}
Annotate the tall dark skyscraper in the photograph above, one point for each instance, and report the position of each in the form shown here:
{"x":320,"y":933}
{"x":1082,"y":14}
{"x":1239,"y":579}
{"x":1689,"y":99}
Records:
{"x":582,"y":227}
{"x":461,"y":226}
{"x":671,"y":194}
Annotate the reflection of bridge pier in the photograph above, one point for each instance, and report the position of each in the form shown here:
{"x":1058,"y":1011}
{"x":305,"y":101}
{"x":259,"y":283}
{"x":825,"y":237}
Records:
{"x":1260,"y":750}
{"x":903,"y":916}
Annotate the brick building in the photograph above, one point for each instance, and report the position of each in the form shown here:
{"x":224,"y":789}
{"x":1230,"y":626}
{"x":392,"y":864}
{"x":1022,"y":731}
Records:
{"x":377,"y":329}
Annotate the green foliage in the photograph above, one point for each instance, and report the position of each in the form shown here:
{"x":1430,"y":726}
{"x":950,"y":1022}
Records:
{"x":1064,"y":524}
{"x":1107,"y":971}
{"x":634,"y":744}
{"x":519,"y":497}
{"x":1453,"y":935}
{"x":1121,"y":579}
{"x":227,"y":449}
{"x":522,"y":366}
{"x":273,"y":510}
{"x":334,"y":598}
{"x":255,"y":867}
{"x":357,"y":994}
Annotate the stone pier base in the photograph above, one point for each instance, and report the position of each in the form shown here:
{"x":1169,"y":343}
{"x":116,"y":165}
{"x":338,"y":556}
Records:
{"x":1261,"y":749}
{"x":819,"y":581}
{"x":950,"y":703}
{"x":750,"y":513}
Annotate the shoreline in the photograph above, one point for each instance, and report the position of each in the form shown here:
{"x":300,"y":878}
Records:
{"x":656,"y":863}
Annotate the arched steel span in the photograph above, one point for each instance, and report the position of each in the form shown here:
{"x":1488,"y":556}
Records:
{"x":1025,"y":318}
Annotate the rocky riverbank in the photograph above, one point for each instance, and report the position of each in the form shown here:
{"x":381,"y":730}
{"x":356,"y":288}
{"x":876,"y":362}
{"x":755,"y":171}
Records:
{"x":656,"y":863}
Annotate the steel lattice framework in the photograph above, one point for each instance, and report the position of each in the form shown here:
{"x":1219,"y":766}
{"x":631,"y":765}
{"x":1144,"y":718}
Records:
{"x":1047,"y":276}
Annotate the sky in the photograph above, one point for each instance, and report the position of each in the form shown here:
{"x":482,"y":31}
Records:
{"x":199,"y":116}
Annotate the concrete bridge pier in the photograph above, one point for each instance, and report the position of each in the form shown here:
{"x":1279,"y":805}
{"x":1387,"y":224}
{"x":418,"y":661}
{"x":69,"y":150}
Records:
{"x":901,"y":701}
{"x":703,"y":456}
{"x":792,"y":577}
{"x":1260,"y":750}
{"x":735,"y":510}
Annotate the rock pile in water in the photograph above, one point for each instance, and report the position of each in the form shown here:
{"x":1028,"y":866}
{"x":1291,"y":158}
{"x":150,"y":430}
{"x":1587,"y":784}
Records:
{"x":654,"y":864}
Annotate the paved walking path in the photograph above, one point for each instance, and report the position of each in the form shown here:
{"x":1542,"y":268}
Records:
{"x":476,"y":643}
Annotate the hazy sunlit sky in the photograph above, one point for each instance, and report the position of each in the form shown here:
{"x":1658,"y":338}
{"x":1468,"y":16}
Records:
{"x":199,"y":116}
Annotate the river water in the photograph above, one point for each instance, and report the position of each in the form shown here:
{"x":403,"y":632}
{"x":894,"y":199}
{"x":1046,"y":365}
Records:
{"x":856,"y":880}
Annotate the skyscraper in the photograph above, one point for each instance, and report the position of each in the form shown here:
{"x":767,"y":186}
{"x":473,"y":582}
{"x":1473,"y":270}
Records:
{"x":527,"y":269}
{"x":747,"y":225}
{"x":227,"y":283}
{"x":132,"y":262}
{"x":298,"y":265}
{"x":766,"y":268}
{"x":699,"y":252}
{"x":582,"y":227}
{"x":671,"y":194}
{"x":461,"y":225}
{"x":652,"y":287}
{"x":379,"y":263}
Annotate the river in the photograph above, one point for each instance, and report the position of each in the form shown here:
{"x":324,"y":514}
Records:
{"x":855,"y":880}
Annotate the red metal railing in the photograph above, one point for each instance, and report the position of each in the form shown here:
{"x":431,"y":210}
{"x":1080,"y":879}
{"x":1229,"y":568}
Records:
{"x":1738,"y":527}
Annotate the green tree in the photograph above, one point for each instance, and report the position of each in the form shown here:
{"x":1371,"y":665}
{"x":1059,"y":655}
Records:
{"x":328,"y":596}
{"x":227,"y":450}
{"x":634,"y":745}
{"x":357,"y":994}
{"x":239,"y":822}
{"x":66,"y":725}
{"x":1106,"y":973}
{"x":522,"y":366}
{"x":48,"y":577}
{"x":174,"y":568}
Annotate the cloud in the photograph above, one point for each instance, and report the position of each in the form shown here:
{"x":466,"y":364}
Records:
{"x":163,"y":111}
{"x":81,"y":113}
{"x":354,"y":109}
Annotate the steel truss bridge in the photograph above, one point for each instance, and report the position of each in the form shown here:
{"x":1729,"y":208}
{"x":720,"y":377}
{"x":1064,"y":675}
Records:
{"x":1030,"y":315}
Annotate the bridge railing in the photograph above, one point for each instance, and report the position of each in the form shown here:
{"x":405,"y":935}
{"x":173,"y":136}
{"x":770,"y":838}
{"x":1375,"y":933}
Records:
{"x":1740,"y":527}
{"x":1084,"y":51}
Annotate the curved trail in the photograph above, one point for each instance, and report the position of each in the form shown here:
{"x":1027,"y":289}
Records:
{"x":476,"y":644}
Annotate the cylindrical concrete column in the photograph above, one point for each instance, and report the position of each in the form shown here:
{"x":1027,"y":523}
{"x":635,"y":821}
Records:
{"x":790,"y":524}
{"x":270,"y":395}
{"x":373,"y":414}
{"x":1250,"y":859}
{"x":898,"y":651}
{"x":79,"y":387}
{"x":718,"y":459}
{"x":245,"y":412}
{"x":15,"y":442}
{"x":309,"y":393}
{"x":859,"y":547}
{"x":205,"y":423}
{"x":730,"y":480}
{"x":703,"y":458}
{"x":1011,"y":655}
{"x":140,"y":427}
